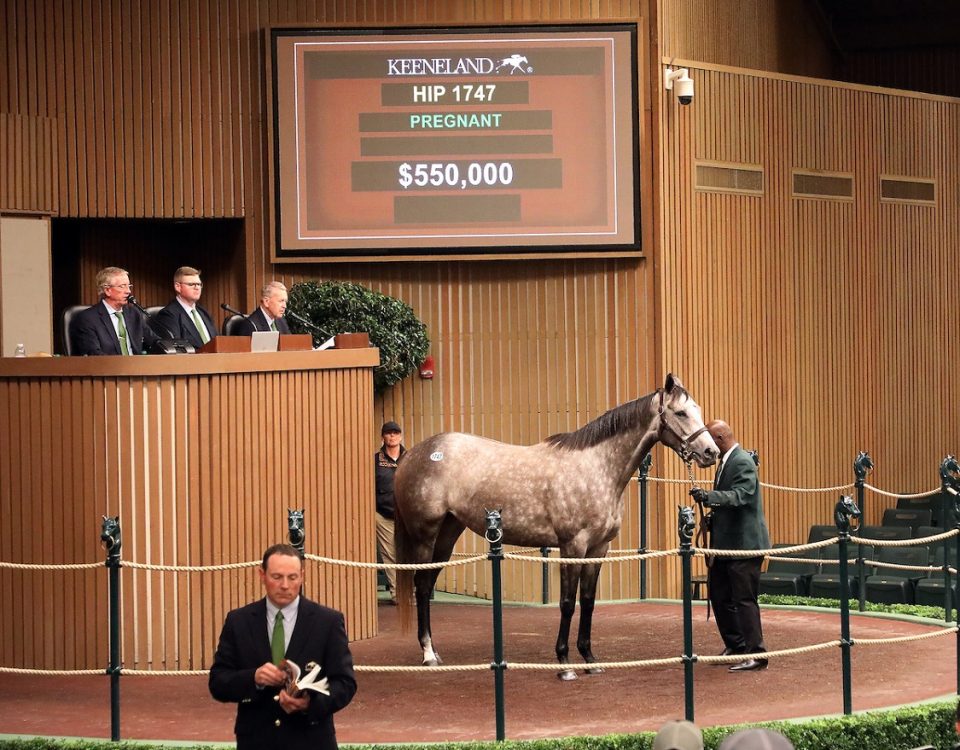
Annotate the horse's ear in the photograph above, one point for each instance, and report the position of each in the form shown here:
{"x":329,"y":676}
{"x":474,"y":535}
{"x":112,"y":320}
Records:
{"x":671,"y":382}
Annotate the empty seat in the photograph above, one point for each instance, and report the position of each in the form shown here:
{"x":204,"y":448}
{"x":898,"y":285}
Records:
{"x":819,"y":532}
{"x":930,"y":590}
{"x":783,"y":577}
{"x":891,"y":533}
{"x":909,"y":517}
{"x":826,"y":583}
{"x":894,"y":586}
{"x":932,"y":502}
{"x":231,"y":323}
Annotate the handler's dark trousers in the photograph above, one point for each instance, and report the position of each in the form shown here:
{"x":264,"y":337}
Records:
{"x":734,"y":584}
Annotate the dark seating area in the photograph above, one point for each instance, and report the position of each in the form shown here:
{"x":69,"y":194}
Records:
{"x":913,"y":518}
{"x":786,"y":578}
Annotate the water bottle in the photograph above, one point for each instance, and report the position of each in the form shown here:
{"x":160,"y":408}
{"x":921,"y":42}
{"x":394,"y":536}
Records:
{"x":20,"y":351}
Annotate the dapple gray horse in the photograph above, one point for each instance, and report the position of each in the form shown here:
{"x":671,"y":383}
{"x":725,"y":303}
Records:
{"x":563,"y":492}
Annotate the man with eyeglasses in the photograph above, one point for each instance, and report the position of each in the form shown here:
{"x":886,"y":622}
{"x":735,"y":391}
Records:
{"x":184,"y":318}
{"x":111,"y":326}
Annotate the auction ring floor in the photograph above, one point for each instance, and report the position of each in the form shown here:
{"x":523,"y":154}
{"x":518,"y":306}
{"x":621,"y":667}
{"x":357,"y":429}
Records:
{"x":457,"y":706}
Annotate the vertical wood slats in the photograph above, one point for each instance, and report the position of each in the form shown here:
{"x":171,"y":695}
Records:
{"x":28,"y":179}
{"x":151,"y":449}
{"x":815,"y":326}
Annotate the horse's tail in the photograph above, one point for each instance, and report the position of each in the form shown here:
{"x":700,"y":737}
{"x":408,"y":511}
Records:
{"x":404,"y":546}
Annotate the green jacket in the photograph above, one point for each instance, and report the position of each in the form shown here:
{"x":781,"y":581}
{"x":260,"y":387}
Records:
{"x":736,"y":506}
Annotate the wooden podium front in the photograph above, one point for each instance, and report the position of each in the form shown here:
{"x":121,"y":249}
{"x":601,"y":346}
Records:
{"x":200,"y":456}
{"x":289,"y":342}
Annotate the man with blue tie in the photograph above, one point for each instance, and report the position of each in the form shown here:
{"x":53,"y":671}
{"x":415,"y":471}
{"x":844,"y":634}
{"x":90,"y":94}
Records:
{"x":257,"y":638}
{"x":111,"y":326}
{"x":736,"y":523}
{"x":183,"y":317}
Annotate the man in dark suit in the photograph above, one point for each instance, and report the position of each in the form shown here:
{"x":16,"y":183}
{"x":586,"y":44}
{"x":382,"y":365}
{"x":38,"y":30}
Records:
{"x":111,"y":326}
{"x":269,"y":315}
{"x":254,"y":641}
{"x":736,"y":523}
{"x":183,"y":317}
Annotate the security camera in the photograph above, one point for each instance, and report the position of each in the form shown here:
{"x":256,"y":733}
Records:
{"x":684,"y":84}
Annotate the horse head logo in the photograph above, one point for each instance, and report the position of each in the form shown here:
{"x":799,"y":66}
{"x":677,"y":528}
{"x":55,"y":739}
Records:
{"x":862,"y":465}
{"x":686,"y":523}
{"x":295,"y":527}
{"x":844,"y":512}
{"x":515,"y":64}
{"x":110,"y":533}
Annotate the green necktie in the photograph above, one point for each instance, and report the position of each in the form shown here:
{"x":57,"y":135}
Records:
{"x":273,"y":326}
{"x":277,"y":647}
{"x":200,"y":329}
{"x":122,"y":328}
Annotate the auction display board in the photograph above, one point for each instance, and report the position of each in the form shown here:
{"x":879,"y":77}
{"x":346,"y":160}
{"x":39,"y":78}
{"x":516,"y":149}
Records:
{"x":412,"y":142}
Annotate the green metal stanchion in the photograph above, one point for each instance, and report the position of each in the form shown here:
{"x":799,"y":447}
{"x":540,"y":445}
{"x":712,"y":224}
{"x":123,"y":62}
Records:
{"x":950,"y":497}
{"x":843,"y":512}
{"x":950,"y":500}
{"x":494,"y":536}
{"x":686,"y":524}
{"x":642,"y":477}
{"x":862,"y":465}
{"x":545,"y":576}
{"x":110,"y":536}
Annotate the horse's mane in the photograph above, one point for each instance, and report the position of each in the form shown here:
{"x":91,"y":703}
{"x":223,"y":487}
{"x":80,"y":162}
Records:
{"x":615,"y":421}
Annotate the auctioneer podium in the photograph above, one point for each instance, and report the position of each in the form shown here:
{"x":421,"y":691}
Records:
{"x":201,"y":456}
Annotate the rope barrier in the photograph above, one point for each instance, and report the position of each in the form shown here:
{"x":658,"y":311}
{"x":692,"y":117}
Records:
{"x":589,"y":560}
{"x":396,"y":566}
{"x":906,"y":638}
{"x":521,"y":666}
{"x":64,"y":566}
{"x":187,"y":568}
{"x":903,"y":495}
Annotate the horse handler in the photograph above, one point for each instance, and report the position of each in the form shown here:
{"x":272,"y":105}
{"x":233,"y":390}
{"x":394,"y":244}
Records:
{"x":736,"y":523}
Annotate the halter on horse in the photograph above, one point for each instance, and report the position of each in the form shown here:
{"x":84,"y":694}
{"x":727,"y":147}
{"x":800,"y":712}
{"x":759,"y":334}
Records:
{"x":565,"y":492}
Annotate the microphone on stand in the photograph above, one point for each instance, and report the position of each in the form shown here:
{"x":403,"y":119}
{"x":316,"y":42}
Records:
{"x":300,"y":319}
{"x":168,"y":344}
{"x":232,"y":310}
{"x":150,"y":319}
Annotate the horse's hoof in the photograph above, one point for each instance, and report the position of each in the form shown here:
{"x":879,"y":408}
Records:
{"x":431,"y":663}
{"x":567,"y":675}
{"x":594,"y":670}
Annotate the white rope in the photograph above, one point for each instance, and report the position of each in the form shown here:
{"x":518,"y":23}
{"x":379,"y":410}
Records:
{"x":398,"y":566}
{"x":735,"y":658}
{"x":905,"y":496}
{"x":164,"y":673}
{"x":905,"y":638}
{"x":64,"y":566}
{"x":58,"y":672}
{"x":187,"y":568}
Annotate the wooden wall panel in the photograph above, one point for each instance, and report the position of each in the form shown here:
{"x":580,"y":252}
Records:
{"x":816,"y":326}
{"x":28,"y":179}
{"x":785,"y":36}
{"x":155,"y":449}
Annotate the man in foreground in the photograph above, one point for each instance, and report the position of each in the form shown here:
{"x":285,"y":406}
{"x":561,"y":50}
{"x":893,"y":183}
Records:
{"x":257,"y":638}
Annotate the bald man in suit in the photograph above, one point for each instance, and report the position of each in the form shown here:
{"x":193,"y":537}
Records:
{"x":736,"y":523}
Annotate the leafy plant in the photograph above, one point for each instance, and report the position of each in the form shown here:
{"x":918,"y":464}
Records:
{"x":342,"y":307}
{"x":915,"y":610}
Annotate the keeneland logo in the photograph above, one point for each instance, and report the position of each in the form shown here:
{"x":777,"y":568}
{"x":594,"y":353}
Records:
{"x":449,"y":66}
